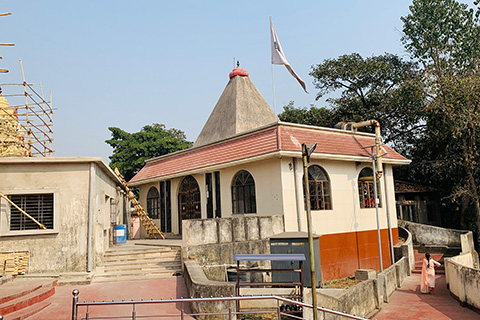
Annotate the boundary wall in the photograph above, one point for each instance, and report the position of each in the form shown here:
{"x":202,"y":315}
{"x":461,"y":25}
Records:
{"x":405,"y":249}
{"x":199,"y":286}
{"x":363,"y":298}
{"x":462,"y":274}
{"x":215,"y":240}
{"x":424,"y":234}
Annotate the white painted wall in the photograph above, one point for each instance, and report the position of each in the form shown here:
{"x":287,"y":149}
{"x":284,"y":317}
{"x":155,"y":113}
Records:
{"x":276,"y":194}
{"x":289,"y":194}
{"x":463,"y":279}
{"x":175,"y":186}
{"x":105,"y":189}
{"x":268,"y":187}
{"x":346,"y":214}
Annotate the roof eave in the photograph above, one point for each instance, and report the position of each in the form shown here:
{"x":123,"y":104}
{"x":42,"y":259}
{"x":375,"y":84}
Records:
{"x":212,"y":143}
{"x":275,"y":154}
{"x":56,"y":160}
{"x":273,"y":124}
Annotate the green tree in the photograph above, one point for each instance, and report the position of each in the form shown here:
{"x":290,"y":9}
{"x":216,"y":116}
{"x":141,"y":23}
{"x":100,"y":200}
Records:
{"x":321,"y":117}
{"x":443,"y":35}
{"x":130,"y":150}
{"x":385,"y":88}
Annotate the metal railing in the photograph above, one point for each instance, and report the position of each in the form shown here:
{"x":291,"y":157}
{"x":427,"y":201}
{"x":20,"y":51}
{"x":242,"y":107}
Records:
{"x":229,"y":314}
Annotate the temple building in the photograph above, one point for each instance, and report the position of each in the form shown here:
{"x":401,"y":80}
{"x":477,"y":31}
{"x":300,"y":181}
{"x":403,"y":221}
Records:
{"x":246,"y":162}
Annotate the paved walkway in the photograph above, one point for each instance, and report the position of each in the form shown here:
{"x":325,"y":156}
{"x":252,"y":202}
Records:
{"x":409,"y":303}
{"x":162,"y":288}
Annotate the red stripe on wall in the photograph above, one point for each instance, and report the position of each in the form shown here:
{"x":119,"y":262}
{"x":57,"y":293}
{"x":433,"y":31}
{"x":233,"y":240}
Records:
{"x":341,"y":254}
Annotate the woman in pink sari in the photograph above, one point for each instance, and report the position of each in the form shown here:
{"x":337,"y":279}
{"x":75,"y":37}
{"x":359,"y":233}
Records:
{"x":427,"y":284}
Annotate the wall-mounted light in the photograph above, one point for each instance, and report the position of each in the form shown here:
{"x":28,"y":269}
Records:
{"x":308,"y":150}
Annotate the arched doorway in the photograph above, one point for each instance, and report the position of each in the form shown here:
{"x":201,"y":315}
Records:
{"x":188,"y":200}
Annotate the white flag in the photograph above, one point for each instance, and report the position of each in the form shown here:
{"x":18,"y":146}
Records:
{"x":278,"y":57}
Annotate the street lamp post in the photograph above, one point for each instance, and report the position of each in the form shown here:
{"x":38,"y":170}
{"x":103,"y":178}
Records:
{"x":306,"y":152}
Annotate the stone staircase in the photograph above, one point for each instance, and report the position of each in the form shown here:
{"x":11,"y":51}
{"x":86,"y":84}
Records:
{"x":131,"y":262}
{"x":22,"y":298}
{"x":435,"y":256}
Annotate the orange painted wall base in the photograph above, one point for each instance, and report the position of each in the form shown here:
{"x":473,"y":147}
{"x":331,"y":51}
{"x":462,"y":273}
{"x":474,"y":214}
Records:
{"x":341,"y":254}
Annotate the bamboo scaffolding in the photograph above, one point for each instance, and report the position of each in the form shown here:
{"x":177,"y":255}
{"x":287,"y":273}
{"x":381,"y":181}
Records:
{"x":21,"y":106}
{"x":38,"y":115}
{"x":31,"y":122}
{"x":13,"y":95}
{"x":29,"y":137}
{"x":50,"y":105}
{"x":147,"y":222}
{"x":5,"y":44}
{"x":41,"y":107}
{"x":14,"y":84}
{"x":21,"y":210}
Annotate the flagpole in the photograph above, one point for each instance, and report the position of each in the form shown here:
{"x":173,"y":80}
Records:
{"x":273,"y":89}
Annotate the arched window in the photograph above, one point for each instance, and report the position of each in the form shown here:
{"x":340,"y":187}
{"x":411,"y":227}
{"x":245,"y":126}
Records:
{"x":153,"y":203}
{"x":243,"y":193}
{"x":319,"y":185}
{"x":366,"y":189}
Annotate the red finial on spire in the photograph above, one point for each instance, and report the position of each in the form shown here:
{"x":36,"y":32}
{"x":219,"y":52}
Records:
{"x":238,"y":72}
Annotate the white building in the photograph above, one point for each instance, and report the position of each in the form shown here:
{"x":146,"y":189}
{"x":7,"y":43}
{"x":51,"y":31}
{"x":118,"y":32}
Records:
{"x":247,"y":162}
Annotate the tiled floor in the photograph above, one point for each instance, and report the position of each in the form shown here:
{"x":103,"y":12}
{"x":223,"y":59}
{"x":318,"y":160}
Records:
{"x":163,"y":288}
{"x":409,"y":303}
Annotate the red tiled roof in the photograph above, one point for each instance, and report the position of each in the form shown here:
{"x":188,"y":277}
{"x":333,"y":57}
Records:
{"x":331,"y":142}
{"x":243,"y":147}
{"x":278,"y":137}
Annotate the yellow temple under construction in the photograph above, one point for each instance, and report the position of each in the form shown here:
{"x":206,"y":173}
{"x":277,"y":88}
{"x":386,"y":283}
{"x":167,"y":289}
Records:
{"x":12,"y":136}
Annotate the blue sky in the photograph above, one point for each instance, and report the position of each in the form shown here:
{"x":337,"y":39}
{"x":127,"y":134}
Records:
{"x":132,"y":63}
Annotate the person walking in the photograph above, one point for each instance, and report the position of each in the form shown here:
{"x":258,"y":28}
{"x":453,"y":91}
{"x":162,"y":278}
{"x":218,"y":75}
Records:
{"x":427,"y":281}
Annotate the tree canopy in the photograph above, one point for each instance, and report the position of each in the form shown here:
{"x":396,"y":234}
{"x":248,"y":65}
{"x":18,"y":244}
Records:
{"x":428,"y":106}
{"x":385,"y":88}
{"x":130,"y":150}
{"x":444,"y":36}
{"x":313,"y":116}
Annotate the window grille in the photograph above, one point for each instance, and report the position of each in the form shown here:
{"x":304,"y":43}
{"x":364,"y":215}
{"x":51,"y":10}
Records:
{"x":319,"y":185}
{"x":39,"y":206}
{"x":366,"y":189}
{"x":153,"y":203}
{"x":243,"y":193}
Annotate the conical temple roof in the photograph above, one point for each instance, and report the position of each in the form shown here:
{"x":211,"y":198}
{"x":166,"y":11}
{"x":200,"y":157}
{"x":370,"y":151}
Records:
{"x":240,"y":108}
